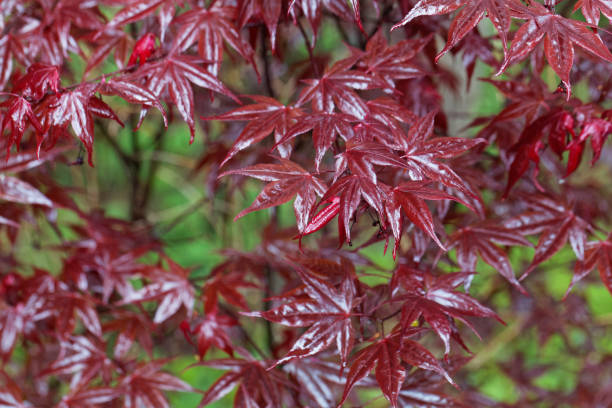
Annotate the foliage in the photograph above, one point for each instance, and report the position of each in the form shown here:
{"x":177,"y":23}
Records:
{"x":117,"y":267}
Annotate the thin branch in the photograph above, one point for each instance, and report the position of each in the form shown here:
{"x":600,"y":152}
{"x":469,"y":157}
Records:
{"x":310,"y":49}
{"x":266,"y":64}
{"x":184,"y":214}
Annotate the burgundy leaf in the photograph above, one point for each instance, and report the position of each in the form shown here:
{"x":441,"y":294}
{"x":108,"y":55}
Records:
{"x":326,"y":310}
{"x":210,"y":28}
{"x":38,"y":79}
{"x":560,"y":34}
{"x":174,"y":75}
{"x":265,"y":116}
{"x":144,"y":47}
{"x":286,"y":180}
{"x":481,"y":239}
{"x":15,"y":190}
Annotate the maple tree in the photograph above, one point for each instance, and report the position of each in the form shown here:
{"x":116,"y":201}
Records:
{"x":197,"y":200}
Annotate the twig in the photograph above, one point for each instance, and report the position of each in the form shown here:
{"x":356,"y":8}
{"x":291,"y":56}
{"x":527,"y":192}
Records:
{"x":266,"y":64}
{"x":184,"y":214}
{"x":310,"y":49}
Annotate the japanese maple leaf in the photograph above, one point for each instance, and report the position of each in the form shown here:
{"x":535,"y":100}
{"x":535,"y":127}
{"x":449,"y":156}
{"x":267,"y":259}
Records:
{"x":38,"y":79}
{"x":171,"y":288}
{"x":436,"y":299}
{"x":326,"y":309}
{"x":422,"y":154}
{"x":11,"y":395}
{"x":591,"y":9}
{"x":557,"y":124}
{"x":267,"y":10}
{"x":145,"y":385}
{"x":113,"y":269}
{"x":410,"y":197}
{"x":16,"y":118}
{"x":174,"y":73}
{"x":134,"y":93}
{"x":65,"y":305}
{"x":87,"y":397}
{"x":257,"y":386}
{"x":11,"y":326}
{"x":325,"y":128}
{"x":392,"y":63}
{"x":313,"y":10}
{"x":210,"y":28}
{"x":360,"y":157}
{"x":555,"y":222}
{"x":286,"y":180}
{"x":211,"y":330}
{"x":598,"y":129}
{"x":560,"y":35}
{"x":130,"y":327}
{"x":336,"y":89}
{"x":481,"y":239}
{"x":136,"y":10}
{"x":74,"y":107}
{"x":475,"y":48}
{"x":468,"y":17}
{"x":264,"y":117}
{"x":84,"y":358}
{"x":10,"y":47}
{"x":144,"y":47}
{"x":528,"y":99}
{"x":18,"y":191}
{"x":31,"y":309}
{"x":54,"y":36}
{"x":597,"y":254}
{"x":113,"y":40}
{"x":425,"y":389}
{"x":321,"y":380}
{"x":390,"y":113}
{"x":387,"y":355}
{"x":346,"y":195}
{"x":225,"y":280}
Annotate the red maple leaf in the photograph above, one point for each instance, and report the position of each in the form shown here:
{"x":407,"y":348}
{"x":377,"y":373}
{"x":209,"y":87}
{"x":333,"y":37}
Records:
{"x":265,"y":116}
{"x":267,"y":10}
{"x":286,"y":180}
{"x":468,"y":17}
{"x":144,"y":385}
{"x":173,"y":74}
{"x":555,"y":222}
{"x":211,"y":28}
{"x":560,"y":35}
{"x":257,"y":386}
{"x":387,"y":355}
{"x":591,"y":10}
{"x":422,"y":154}
{"x":336,"y":89}
{"x":436,"y":300}
{"x":597,"y":254}
{"x":481,"y":239}
{"x":171,"y":288}
{"x":144,"y":47}
{"x":326,"y":309}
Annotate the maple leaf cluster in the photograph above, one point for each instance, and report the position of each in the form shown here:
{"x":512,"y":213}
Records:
{"x":363,"y":137}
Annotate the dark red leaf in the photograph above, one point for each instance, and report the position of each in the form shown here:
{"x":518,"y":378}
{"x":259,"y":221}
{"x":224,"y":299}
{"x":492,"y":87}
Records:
{"x":15,"y":190}
{"x":38,"y":79}
{"x":326,"y":310}
{"x":560,"y":35}
{"x":265,"y":116}
{"x":286,"y":180}
{"x":174,"y":75}
{"x":144,"y":47}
